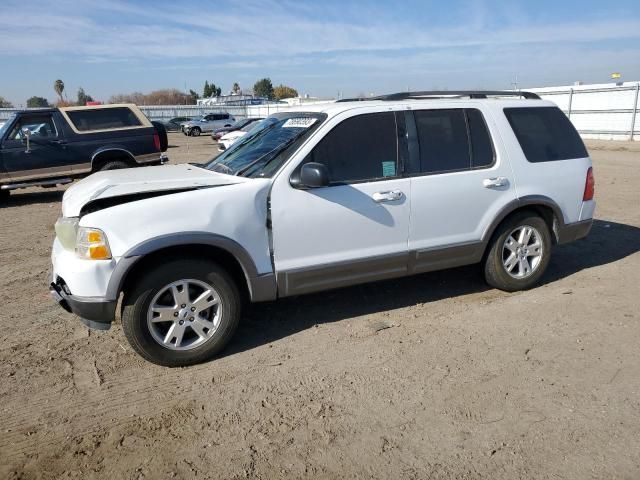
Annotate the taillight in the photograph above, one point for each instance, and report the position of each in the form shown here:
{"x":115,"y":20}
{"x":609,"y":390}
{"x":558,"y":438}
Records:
{"x":156,"y":141}
{"x":590,"y":186}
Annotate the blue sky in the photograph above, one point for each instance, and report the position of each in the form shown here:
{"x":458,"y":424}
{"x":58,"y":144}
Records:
{"x":319,"y":47}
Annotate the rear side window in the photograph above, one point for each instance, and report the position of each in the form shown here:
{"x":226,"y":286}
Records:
{"x":360,"y":148}
{"x":545,"y":134}
{"x":103,"y":119}
{"x":453,"y":140}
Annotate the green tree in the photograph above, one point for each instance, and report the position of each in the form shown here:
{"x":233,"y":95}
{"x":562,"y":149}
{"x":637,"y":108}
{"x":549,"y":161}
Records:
{"x":37,"y":102}
{"x":236,"y":88}
{"x":210,"y":90}
{"x":194,"y":96}
{"x":5,"y":103}
{"x":83,"y":98}
{"x":58,"y":87}
{"x":264,"y":88}
{"x":282,"y":91}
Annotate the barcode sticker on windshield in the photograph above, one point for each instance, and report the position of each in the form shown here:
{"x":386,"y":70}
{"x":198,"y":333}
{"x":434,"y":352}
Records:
{"x":300,"y":122}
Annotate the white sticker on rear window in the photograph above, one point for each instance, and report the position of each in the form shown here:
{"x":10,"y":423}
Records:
{"x":301,"y":122}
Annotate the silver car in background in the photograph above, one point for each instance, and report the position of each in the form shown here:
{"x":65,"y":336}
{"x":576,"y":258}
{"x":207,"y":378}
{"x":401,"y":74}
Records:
{"x":207,"y":123}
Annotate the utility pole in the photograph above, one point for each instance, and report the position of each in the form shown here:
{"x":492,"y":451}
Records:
{"x":514,"y":84}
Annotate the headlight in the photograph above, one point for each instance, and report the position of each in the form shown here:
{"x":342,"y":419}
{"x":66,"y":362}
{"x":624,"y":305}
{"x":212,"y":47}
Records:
{"x":92,"y":244}
{"x":67,"y":231}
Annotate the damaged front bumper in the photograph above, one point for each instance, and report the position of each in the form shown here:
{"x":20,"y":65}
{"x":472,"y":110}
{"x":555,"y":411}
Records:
{"x":94,"y":312}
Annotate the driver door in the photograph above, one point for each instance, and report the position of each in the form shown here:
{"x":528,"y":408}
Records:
{"x":47,"y":155}
{"x":354,"y":230}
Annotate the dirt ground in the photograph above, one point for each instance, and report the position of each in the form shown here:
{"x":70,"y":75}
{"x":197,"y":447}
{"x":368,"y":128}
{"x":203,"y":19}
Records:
{"x":435,"y":376}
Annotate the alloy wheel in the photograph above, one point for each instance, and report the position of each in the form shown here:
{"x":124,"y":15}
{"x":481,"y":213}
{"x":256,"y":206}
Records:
{"x":184,"y":314}
{"x":522,"y":251}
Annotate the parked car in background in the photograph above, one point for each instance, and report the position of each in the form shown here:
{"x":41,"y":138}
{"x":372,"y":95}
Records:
{"x":219,"y":132}
{"x":207,"y":123}
{"x":230,"y":138}
{"x":52,"y":146}
{"x":175,"y":124}
{"x":336,"y":195}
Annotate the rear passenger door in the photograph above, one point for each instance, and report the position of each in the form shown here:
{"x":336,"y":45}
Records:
{"x":460,"y":179}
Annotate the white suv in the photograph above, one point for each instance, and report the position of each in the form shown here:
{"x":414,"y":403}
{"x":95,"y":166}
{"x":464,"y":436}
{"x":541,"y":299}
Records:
{"x":320,"y":198}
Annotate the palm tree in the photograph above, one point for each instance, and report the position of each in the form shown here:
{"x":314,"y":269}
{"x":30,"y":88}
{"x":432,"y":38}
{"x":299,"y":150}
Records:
{"x":58,"y":86}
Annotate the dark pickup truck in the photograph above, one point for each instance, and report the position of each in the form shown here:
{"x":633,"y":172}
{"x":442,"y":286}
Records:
{"x":52,"y":146}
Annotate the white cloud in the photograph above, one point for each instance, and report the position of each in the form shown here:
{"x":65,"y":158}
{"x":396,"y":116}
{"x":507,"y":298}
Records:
{"x":257,"y":32}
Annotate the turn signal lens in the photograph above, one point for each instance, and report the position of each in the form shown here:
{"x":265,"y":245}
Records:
{"x":92,"y":244}
{"x":93,"y":237}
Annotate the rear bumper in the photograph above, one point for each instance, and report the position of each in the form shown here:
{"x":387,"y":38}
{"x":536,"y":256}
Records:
{"x":94,"y":312}
{"x":571,"y":232}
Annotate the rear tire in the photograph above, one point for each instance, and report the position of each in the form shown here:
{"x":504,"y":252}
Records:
{"x":4,"y":195}
{"x":195,"y":132}
{"x":154,"y":307}
{"x":114,"y":165}
{"x":519,"y":253}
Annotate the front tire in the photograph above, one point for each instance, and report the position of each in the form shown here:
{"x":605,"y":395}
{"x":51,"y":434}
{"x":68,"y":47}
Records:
{"x":181,"y":313}
{"x":195,"y":132}
{"x":4,"y":195}
{"x":519,"y":253}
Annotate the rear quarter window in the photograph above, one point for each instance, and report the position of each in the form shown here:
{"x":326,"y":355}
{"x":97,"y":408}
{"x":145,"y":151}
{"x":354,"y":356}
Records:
{"x":103,"y":119}
{"x":545,"y":134}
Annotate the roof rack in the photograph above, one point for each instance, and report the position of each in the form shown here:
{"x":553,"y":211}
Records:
{"x":429,"y":95}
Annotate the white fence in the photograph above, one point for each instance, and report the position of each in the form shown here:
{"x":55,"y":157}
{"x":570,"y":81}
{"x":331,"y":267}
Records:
{"x":606,"y":111}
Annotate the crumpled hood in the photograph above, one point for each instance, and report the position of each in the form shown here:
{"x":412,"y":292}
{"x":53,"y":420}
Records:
{"x":131,"y":181}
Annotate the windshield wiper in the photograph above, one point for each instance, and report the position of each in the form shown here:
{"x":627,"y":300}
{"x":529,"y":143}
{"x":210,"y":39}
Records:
{"x":277,"y":150}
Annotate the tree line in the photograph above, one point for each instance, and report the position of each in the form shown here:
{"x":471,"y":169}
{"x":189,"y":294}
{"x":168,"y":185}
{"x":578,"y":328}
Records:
{"x":169,"y":96}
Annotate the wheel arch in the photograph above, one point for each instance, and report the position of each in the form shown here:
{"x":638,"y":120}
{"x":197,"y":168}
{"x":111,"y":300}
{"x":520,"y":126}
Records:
{"x":543,"y":206}
{"x":108,"y":154}
{"x":225,"y":251}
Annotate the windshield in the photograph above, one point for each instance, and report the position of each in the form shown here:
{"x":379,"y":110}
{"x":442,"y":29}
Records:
{"x":5,"y":126}
{"x":251,"y":126}
{"x":264,"y":148}
{"x":239,"y":124}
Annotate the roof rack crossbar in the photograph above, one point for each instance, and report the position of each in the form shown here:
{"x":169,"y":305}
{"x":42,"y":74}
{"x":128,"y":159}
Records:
{"x":427,"y":95}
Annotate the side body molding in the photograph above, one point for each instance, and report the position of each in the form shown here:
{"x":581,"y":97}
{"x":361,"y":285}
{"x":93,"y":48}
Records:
{"x":262,"y":287}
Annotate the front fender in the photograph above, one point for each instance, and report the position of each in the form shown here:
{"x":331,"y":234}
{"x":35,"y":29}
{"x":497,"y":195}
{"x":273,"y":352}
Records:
{"x":262,"y":287}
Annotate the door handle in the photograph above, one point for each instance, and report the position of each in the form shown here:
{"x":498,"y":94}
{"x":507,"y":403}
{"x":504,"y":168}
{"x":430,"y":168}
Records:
{"x":495,"y":182}
{"x":390,"y":196}
{"x":60,"y":143}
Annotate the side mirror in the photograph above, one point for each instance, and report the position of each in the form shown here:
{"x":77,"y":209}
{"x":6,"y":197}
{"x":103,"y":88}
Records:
{"x":26,"y":137}
{"x":313,"y":175}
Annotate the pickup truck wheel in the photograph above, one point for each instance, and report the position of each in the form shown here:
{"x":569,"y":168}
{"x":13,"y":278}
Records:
{"x":181,"y":313}
{"x":195,"y":132}
{"x":519,"y":253}
{"x":115,"y":165}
